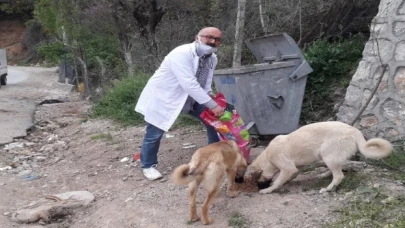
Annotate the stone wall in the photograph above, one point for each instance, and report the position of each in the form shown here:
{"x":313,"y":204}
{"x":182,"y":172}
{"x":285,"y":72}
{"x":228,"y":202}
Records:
{"x":385,"y":114}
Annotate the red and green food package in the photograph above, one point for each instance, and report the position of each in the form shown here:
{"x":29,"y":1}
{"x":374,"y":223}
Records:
{"x":229,"y":126}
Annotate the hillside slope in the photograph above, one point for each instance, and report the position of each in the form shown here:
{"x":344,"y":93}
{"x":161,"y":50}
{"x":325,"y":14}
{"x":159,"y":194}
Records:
{"x":11,"y":35}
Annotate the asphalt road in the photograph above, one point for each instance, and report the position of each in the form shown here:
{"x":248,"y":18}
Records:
{"x":26,"y":87}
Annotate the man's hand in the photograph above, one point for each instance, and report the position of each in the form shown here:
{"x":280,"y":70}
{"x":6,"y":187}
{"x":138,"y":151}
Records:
{"x":218,"y":111}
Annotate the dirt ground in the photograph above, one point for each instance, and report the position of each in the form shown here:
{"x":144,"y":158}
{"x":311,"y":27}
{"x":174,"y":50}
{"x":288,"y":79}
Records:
{"x":87,"y":154}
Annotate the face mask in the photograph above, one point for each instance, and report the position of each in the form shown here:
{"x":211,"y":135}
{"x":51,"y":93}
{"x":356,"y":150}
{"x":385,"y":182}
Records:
{"x":204,"y":48}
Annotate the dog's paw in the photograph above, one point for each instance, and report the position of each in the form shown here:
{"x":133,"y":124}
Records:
{"x":233,"y":193}
{"x":194,"y":219}
{"x":323,"y":190}
{"x":264,"y":191}
{"x":208,"y":221}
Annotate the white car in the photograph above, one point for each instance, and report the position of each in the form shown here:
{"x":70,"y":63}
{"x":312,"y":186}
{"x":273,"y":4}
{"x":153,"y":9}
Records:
{"x":3,"y":67}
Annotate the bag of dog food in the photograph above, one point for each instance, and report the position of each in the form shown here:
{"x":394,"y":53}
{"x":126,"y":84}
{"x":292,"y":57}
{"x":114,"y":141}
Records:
{"x":229,"y":126}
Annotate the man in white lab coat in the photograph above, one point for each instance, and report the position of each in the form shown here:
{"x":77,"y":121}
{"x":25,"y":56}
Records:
{"x":181,"y":84}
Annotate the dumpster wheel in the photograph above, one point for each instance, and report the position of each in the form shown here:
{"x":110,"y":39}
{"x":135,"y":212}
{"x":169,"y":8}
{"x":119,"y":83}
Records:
{"x":254,"y":141}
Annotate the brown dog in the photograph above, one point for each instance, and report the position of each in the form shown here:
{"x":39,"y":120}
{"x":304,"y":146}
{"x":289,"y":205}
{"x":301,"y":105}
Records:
{"x":208,"y":165}
{"x":332,"y":142}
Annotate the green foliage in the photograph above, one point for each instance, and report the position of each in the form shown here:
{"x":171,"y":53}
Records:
{"x":106,"y":136}
{"x":119,"y":103}
{"x":332,"y":63}
{"x":395,"y":162}
{"x":372,"y":209}
{"x":185,"y":120}
{"x":106,"y":47}
{"x":237,"y":220}
{"x":52,"y":52}
{"x":352,"y":181}
{"x":85,"y":36}
{"x":46,"y":12}
{"x":17,"y":8}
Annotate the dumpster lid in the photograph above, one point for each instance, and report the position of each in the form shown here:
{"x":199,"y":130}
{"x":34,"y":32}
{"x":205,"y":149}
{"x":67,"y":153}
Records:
{"x":277,"y":47}
{"x":254,"y":68}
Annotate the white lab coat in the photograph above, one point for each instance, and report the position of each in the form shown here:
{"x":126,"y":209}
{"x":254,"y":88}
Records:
{"x":165,"y":94}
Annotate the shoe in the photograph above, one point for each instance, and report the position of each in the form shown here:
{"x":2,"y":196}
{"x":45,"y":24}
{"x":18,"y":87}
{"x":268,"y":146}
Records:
{"x":152,"y":173}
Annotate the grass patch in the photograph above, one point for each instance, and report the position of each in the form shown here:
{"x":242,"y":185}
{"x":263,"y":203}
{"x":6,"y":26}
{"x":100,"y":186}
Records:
{"x":23,"y":63}
{"x":84,"y":120}
{"x":237,"y":220}
{"x":351,"y":181}
{"x":396,"y":161}
{"x":372,"y":209}
{"x":185,"y":120}
{"x":119,"y":102}
{"x":106,"y":136}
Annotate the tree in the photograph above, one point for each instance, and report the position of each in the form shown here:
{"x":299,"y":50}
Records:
{"x":137,"y":19}
{"x":262,"y":15}
{"x":240,"y":25}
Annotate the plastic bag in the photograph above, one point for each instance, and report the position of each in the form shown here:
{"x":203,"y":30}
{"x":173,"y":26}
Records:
{"x":229,"y":126}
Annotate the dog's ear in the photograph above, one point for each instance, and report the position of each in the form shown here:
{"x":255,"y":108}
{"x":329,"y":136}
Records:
{"x":256,"y":175}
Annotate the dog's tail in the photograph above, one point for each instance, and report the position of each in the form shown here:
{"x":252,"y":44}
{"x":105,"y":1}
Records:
{"x":375,"y":148}
{"x":183,"y":175}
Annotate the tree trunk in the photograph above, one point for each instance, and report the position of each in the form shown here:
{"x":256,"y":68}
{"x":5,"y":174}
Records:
{"x":102,"y":72}
{"x":85,"y":77}
{"x":240,"y":24}
{"x":263,"y":21}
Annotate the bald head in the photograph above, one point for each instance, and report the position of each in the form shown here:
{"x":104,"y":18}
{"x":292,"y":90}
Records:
{"x":210,"y":30}
{"x":210,"y":36}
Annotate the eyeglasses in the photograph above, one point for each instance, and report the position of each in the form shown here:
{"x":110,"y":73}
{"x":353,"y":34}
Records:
{"x":209,"y":37}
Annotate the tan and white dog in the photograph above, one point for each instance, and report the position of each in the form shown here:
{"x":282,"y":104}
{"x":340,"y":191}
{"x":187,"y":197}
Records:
{"x":333,"y":142}
{"x":209,"y":165}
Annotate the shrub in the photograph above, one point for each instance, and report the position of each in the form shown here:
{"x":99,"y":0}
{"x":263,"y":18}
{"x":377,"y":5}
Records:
{"x":332,"y":63}
{"x":119,"y":102}
{"x":52,"y":52}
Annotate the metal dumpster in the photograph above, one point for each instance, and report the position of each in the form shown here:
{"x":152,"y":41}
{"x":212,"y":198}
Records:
{"x":268,"y":96}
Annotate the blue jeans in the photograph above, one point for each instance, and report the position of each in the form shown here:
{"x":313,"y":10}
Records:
{"x":151,"y":140}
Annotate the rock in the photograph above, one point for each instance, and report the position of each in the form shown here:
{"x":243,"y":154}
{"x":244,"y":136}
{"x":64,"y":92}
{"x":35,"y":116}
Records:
{"x":57,"y":159}
{"x":14,"y":145}
{"x":11,"y":164}
{"x":169,"y":136}
{"x":59,"y":145}
{"x":52,"y":138}
{"x":25,"y":165}
{"x":39,"y":158}
{"x":25,"y":152}
{"x":189,"y":147}
{"x":125,"y":178}
{"x":5,"y":168}
{"x":51,"y":207}
{"x":31,"y":177}
{"x":125,"y":159}
{"x":389,"y":199}
{"x":24,"y":173}
{"x":29,"y":144}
